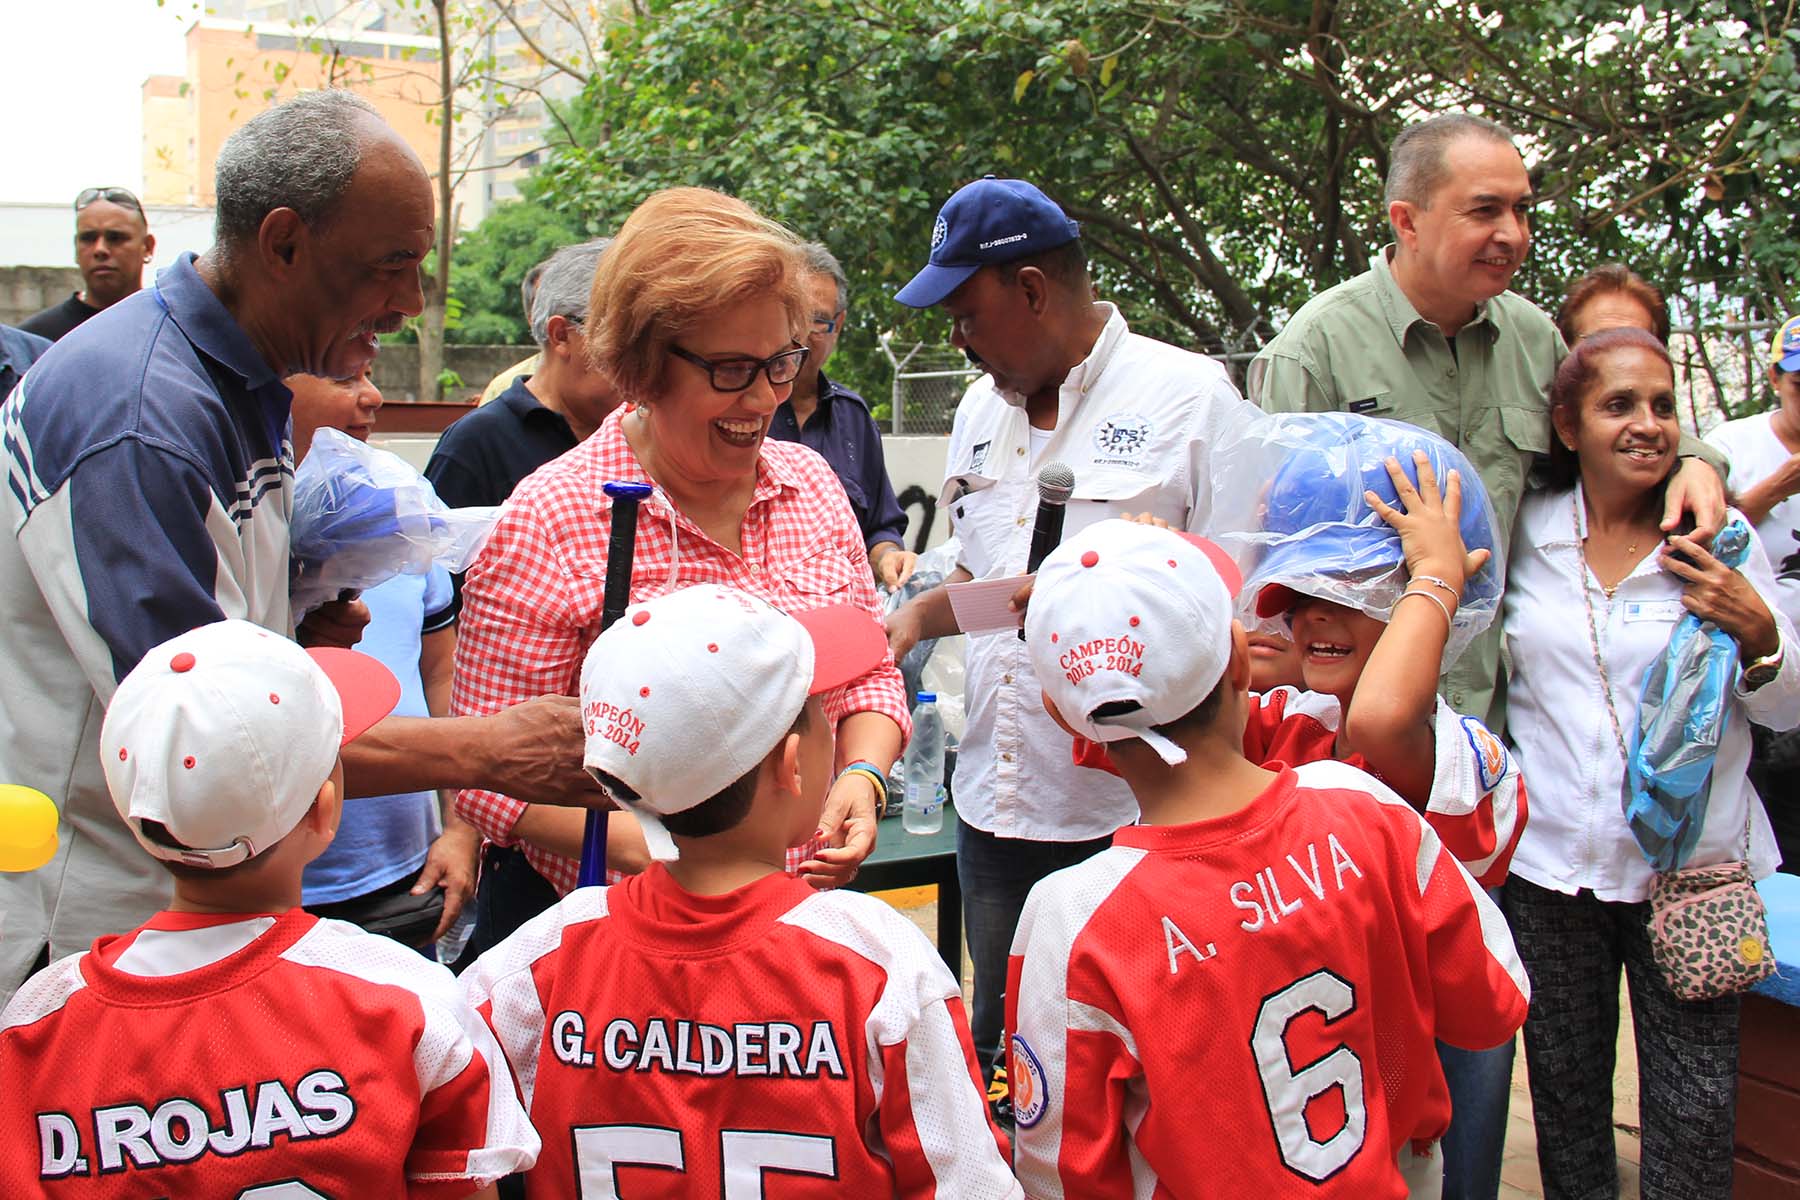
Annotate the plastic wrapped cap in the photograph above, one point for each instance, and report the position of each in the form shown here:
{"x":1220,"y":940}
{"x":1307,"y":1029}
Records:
{"x":1320,"y":538}
{"x":363,"y":515}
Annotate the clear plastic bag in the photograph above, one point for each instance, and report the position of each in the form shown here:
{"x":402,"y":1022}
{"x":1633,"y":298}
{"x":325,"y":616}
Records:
{"x":945,"y":674}
{"x":1682,"y":714}
{"x":933,"y":567}
{"x":363,"y":516}
{"x":1287,"y":503}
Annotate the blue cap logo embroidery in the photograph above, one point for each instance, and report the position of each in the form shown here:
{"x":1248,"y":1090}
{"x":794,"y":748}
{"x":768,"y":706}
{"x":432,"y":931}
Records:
{"x":939,"y":231}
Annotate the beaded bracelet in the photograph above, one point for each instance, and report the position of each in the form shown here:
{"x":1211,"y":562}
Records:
{"x":1442,"y":607}
{"x":874,"y":775}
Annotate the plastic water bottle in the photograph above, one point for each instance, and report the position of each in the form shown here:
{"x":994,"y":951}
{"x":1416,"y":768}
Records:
{"x":923,"y":811}
{"x":451,"y":945}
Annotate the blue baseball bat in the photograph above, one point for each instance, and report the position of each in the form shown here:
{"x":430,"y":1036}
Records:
{"x":620,"y":547}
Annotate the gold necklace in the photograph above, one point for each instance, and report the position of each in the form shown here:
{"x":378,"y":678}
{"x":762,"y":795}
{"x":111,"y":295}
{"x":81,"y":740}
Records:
{"x":1630,"y":556}
{"x":1630,"y":551}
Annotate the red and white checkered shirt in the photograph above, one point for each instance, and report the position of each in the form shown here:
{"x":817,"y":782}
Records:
{"x":532,"y":600}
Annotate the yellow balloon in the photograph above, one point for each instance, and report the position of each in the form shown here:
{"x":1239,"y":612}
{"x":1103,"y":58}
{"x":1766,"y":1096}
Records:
{"x":27,"y":828}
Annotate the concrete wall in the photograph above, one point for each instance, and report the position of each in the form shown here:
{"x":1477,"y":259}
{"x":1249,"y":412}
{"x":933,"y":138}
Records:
{"x":26,"y":290}
{"x":912,"y":462}
{"x":397,"y":369}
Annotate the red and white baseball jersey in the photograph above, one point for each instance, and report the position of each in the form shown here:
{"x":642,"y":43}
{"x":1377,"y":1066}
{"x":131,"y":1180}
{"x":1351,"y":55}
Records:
{"x":1477,"y":802}
{"x":674,"y":1045}
{"x":1247,"y":1006}
{"x":272,"y":1057}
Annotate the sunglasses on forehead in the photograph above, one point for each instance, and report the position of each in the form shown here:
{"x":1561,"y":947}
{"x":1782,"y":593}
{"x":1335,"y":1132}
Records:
{"x":114,"y":195}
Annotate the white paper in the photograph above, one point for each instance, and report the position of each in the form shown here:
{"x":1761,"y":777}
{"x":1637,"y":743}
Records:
{"x":981,"y":606}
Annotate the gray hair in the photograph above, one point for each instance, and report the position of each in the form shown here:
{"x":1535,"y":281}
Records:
{"x":528,"y":288}
{"x":301,"y":154}
{"x":1416,"y":167}
{"x":821,"y":261}
{"x":564,"y":286}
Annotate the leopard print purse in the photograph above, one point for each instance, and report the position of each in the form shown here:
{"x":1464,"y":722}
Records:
{"x":1708,"y":931}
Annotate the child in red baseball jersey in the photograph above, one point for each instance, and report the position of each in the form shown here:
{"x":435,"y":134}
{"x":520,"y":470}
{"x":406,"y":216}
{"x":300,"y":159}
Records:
{"x":1241,"y":996}
{"x":1355,"y":521}
{"x":712,"y":1022}
{"x":1379,"y":555}
{"x":235,"y":1046}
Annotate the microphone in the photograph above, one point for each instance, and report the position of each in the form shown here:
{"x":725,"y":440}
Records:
{"x":1055,"y":484}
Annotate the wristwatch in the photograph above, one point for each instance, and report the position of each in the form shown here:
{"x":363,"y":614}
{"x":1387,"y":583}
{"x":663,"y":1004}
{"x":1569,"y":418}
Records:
{"x":1762,"y":670}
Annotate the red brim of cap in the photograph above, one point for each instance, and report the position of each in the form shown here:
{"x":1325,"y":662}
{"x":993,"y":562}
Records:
{"x":1222,"y":562}
{"x":1275,"y":599}
{"x":848,"y":643}
{"x":367,"y":690}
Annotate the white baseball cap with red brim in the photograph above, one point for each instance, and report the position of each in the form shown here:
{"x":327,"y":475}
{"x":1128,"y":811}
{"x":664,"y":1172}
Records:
{"x":224,"y":734}
{"x":1134,"y":620}
{"x":688,"y":692}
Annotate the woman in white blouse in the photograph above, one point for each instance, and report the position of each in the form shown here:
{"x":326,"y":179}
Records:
{"x":1594,"y":590}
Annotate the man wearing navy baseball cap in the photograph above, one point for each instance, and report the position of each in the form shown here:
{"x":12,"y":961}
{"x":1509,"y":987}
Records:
{"x":990,"y":221}
{"x":1135,"y":419}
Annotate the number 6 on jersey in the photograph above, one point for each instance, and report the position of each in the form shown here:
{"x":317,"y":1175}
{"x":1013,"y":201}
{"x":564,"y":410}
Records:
{"x":1289,"y":1091}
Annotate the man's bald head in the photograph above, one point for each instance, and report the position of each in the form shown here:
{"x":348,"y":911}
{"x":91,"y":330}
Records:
{"x":301,"y":155}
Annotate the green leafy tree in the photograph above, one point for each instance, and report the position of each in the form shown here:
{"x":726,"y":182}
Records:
{"x":1225,"y":156}
{"x":491,"y":262}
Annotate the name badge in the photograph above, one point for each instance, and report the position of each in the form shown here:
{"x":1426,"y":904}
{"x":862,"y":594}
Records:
{"x":1665,"y":611}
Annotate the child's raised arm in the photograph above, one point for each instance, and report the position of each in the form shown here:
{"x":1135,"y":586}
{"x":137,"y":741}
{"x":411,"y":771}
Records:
{"x":1389,"y":721}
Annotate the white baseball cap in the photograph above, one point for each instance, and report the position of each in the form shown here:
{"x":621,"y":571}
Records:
{"x":224,"y":734}
{"x":1134,"y":614}
{"x":687,"y":692}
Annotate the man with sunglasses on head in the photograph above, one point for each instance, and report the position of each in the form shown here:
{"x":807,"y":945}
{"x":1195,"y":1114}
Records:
{"x":835,"y":421}
{"x":112,"y":243}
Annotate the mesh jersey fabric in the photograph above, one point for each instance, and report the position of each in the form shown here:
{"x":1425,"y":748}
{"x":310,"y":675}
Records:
{"x":1477,"y":805}
{"x":1275,"y":977}
{"x":177,"y":1060}
{"x":673,"y":1045}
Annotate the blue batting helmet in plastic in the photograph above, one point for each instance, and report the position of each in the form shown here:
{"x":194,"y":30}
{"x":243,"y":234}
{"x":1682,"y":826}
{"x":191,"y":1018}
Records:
{"x":1322,"y":538}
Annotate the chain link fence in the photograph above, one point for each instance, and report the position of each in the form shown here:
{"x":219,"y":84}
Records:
{"x":1721,"y":371}
{"x":929,"y":380}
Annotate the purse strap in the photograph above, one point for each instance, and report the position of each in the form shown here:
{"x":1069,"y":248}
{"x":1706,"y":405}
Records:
{"x":1587,"y":602}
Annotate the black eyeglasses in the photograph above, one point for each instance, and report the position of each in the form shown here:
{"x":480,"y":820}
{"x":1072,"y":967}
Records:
{"x":737,"y":374}
{"x":115,"y":195}
{"x":825,"y":324}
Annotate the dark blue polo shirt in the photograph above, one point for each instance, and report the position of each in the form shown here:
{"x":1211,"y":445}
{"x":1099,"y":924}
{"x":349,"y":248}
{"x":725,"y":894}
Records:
{"x":18,"y":350}
{"x":483,"y":456}
{"x":846,"y":435}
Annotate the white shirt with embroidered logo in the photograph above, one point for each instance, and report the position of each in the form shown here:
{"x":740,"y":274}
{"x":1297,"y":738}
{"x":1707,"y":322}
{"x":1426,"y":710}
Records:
{"x":1556,"y":711}
{"x":1135,"y":421}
